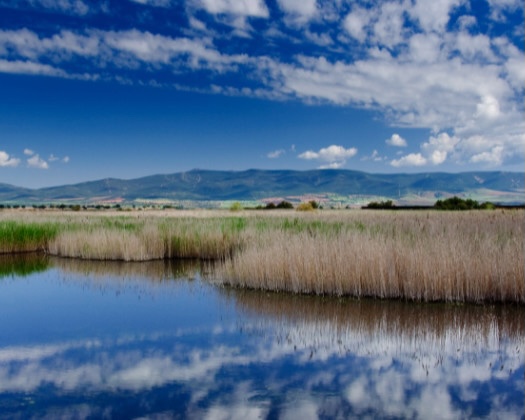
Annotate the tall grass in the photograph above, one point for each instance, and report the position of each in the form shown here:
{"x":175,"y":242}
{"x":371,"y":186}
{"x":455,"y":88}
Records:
{"x":452,"y":257}
{"x":420,"y":256}
{"x":18,"y":236}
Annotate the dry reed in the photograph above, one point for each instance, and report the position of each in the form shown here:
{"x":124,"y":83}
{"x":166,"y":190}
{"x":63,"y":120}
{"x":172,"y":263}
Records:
{"x":423,"y":256}
{"x":453,"y":257}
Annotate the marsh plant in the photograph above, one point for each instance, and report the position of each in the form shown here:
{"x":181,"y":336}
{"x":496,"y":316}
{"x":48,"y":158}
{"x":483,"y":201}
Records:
{"x":419,"y":255}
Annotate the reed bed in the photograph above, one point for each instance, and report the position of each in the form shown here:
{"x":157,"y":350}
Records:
{"x":422,"y":256}
{"x":452,"y":257}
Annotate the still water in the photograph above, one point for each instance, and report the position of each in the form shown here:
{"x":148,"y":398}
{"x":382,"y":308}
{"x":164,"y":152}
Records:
{"x":154,"y":340}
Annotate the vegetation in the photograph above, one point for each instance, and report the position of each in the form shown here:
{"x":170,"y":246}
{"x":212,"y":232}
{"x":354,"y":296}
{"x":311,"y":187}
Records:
{"x":236,"y":206}
{"x":272,"y":206}
{"x":17,"y":236}
{"x":388,"y":204}
{"x":308,"y":206}
{"x":456,"y":203}
{"x":419,"y":255}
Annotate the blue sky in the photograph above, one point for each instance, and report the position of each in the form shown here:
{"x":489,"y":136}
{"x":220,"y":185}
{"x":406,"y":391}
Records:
{"x":96,"y":89}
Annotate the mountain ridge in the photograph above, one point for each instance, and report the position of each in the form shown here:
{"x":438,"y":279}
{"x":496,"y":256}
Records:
{"x":257,"y":184}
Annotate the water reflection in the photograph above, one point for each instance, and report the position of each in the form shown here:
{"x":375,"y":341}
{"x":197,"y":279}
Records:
{"x":198,"y":350}
{"x":22,"y":265}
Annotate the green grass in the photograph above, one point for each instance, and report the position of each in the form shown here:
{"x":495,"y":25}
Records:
{"x":24,"y":237}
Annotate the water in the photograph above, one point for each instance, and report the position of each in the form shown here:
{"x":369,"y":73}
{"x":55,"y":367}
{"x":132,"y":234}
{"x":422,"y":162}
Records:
{"x":154,"y":340}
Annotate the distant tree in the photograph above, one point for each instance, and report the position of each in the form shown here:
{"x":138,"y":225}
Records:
{"x":456,"y":203}
{"x":236,"y":206}
{"x":388,"y":204}
{"x":285,"y":205}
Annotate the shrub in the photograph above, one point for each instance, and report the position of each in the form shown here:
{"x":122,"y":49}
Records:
{"x":305,"y":207}
{"x":456,"y":203}
{"x":388,"y":204}
{"x":236,"y":206}
{"x":285,"y":205}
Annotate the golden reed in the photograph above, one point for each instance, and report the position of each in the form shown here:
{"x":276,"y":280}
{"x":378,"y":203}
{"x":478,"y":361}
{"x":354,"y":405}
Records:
{"x":426,"y":256}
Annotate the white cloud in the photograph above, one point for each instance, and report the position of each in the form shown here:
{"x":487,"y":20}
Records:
{"x":6,"y":160}
{"x":355,"y":23}
{"x":37,"y":162}
{"x":28,"y":152}
{"x":299,"y":10}
{"x":388,"y":28}
{"x":26,"y":67}
{"x":500,"y":7}
{"x":413,"y":159}
{"x":66,"y":159}
{"x":488,"y":107}
{"x":396,"y":140}
{"x":425,"y":48}
{"x":437,"y":148}
{"x":251,"y":8}
{"x":335,"y":156}
{"x":276,"y":154}
{"x":433,"y":15}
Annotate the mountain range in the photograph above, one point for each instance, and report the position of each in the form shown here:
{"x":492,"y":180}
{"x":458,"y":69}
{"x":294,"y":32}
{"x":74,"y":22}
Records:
{"x":256,"y":185}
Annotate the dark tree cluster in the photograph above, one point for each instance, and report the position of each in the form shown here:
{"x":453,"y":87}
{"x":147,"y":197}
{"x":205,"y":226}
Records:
{"x":456,"y":203}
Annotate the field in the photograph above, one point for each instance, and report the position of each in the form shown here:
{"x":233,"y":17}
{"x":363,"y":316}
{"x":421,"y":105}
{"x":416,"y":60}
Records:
{"x":423,"y":256}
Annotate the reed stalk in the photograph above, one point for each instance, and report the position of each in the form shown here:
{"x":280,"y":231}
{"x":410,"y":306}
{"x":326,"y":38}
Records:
{"x":422,"y":256}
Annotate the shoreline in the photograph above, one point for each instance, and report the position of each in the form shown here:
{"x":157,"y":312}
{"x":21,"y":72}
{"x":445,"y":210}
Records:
{"x":423,"y":256}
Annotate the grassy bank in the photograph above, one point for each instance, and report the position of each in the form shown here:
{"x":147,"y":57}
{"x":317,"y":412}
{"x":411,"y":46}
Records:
{"x":420,"y":256}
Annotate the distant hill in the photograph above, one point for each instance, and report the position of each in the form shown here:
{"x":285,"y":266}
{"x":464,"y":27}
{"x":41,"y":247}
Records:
{"x":203,"y":185}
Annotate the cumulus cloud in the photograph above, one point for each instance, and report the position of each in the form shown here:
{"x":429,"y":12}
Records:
{"x":437,"y":148}
{"x":435,"y":151}
{"x":6,"y":160}
{"x":412,"y":159}
{"x":396,"y":140}
{"x":37,"y":162}
{"x":333,"y":156}
{"x":28,"y":152}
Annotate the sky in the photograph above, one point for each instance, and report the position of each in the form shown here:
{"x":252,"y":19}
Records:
{"x":130,"y":88}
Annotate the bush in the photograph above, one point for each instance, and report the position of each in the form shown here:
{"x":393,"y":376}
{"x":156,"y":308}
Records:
{"x":236,"y":206}
{"x":305,"y":207}
{"x":285,"y":205}
{"x":456,"y":203}
{"x":381,"y":205}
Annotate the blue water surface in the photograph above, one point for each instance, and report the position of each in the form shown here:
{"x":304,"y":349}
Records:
{"x":157,"y":340}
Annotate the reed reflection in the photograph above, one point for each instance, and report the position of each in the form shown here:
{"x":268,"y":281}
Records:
{"x":256,"y":354}
{"x":439,"y":326}
{"x":22,"y":265}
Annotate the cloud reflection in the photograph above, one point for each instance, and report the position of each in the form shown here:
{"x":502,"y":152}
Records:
{"x":285,"y":356}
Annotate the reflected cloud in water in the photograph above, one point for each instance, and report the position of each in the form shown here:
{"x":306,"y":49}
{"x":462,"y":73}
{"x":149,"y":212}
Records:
{"x":258,"y":355}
